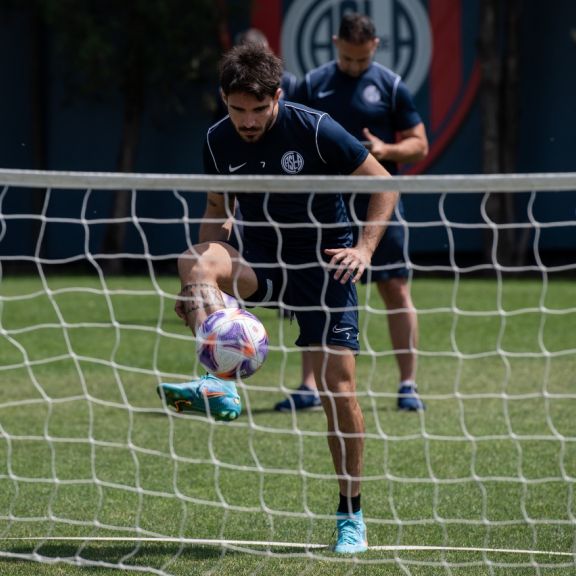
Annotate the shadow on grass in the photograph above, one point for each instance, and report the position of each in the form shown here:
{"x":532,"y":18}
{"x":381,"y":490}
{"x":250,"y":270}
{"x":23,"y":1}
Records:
{"x":114,"y":552}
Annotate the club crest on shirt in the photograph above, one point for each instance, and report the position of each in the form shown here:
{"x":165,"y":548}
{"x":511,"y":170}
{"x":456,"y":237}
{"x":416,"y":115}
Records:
{"x":292,"y":162}
{"x":371,"y":94}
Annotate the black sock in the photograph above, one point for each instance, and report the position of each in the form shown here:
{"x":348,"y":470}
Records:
{"x":349,"y":504}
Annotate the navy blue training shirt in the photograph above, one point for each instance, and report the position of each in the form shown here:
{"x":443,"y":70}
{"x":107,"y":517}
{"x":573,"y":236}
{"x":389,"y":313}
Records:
{"x":301,"y":142}
{"x":377,"y":100}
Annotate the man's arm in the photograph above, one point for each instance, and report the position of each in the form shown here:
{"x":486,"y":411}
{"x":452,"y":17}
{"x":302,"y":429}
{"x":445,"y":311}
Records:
{"x":380,"y":207}
{"x":217,"y":220}
{"x":412,"y":146}
{"x":351,"y":262}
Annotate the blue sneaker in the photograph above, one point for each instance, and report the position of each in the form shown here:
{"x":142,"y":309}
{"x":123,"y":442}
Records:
{"x":409,"y":400}
{"x":302,"y":399}
{"x":208,"y":395}
{"x":351,"y":533}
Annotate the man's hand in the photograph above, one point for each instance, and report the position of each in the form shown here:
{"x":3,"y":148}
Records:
{"x":411,"y":145}
{"x":350,"y":263}
{"x":378,"y":148}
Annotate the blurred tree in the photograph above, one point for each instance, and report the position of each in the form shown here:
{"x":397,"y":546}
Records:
{"x":499,"y":56}
{"x":132,"y":48}
{"x":36,"y":64}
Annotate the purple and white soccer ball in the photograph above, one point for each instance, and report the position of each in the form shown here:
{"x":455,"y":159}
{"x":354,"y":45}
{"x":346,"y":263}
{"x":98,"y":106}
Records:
{"x":232,"y":343}
{"x":229,"y":301}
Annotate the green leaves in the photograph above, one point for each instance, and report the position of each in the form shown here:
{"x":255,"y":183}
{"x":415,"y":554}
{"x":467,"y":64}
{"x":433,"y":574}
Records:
{"x":106,"y":44}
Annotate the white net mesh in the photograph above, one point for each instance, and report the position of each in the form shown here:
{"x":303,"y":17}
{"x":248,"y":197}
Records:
{"x":95,"y":472}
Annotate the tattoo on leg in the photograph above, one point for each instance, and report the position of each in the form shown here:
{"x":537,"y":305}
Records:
{"x":201,"y":297}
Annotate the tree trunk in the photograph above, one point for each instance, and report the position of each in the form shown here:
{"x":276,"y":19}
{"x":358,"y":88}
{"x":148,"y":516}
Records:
{"x":490,"y":100}
{"x":500,"y":121}
{"x":491,"y":82}
{"x":511,"y":87}
{"x":116,"y":231}
{"x":518,"y":238}
{"x":39,"y":96}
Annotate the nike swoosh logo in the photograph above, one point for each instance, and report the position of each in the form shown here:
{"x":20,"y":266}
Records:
{"x":337,"y":329}
{"x":325,"y":93}
{"x":234,"y":168}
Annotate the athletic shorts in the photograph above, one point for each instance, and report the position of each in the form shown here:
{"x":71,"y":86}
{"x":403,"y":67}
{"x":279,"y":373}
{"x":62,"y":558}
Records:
{"x":389,"y":258}
{"x":326,"y":311}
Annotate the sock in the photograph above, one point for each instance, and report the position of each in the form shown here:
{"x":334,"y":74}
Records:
{"x":306,"y":387}
{"x":410,"y":383}
{"x":349,"y":504}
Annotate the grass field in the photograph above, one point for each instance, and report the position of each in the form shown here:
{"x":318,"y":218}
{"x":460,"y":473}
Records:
{"x":87,"y":450}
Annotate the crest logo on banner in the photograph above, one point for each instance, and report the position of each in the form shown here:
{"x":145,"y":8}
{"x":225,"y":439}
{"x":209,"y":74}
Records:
{"x":422,"y":41}
{"x":402,"y":25}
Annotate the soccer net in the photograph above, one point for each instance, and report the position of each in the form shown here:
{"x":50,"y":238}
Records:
{"x":96,"y":472}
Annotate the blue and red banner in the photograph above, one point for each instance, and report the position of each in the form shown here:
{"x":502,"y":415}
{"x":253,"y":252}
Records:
{"x":430,"y":43}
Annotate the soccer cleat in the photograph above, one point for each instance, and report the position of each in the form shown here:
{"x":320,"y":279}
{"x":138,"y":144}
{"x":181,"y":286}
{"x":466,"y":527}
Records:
{"x":409,"y":400}
{"x":302,"y":399}
{"x":208,"y":395}
{"x":351,"y":537}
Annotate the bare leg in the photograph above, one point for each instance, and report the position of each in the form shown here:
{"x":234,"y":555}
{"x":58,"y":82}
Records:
{"x":308,"y":370}
{"x":199,"y":300}
{"x":203,"y":271}
{"x":335,"y":372}
{"x":403,"y":326}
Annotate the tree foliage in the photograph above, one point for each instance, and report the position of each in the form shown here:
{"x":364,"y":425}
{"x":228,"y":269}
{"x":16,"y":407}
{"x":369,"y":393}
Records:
{"x":128,"y":44}
{"x":132,"y":48}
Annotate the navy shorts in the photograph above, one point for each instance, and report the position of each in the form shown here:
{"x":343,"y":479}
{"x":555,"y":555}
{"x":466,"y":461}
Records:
{"x":326,"y":311}
{"x":390,"y":257}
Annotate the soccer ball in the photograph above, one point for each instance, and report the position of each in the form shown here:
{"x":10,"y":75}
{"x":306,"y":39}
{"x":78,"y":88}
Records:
{"x":229,"y":301}
{"x":232,"y":343}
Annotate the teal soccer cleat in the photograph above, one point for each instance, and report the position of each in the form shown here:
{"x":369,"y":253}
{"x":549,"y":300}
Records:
{"x":351,"y":533}
{"x":208,"y":395}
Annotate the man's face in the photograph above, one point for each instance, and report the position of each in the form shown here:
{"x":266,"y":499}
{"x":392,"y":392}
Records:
{"x":354,"y":59}
{"x":251,"y":117}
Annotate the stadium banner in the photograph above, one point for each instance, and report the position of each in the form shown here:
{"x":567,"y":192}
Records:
{"x":430,"y":43}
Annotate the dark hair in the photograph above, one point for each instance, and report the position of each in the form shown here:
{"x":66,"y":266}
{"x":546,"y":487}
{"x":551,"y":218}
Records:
{"x":356,"y":28}
{"x":252,"y":69}
{"x":251,"y":36}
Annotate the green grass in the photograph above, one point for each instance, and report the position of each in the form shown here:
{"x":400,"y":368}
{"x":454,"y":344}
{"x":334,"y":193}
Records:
{"x":87,"y":450}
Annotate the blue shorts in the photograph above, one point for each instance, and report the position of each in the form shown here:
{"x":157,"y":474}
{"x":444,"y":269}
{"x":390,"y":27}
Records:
{"x":390,"y":257}
{"x":326,"y":311}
